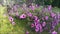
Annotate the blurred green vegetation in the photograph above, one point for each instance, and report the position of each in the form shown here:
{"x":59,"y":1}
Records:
{"x":39,"y":2}
{"x":5,"y":25}
{"x":54,"y":3}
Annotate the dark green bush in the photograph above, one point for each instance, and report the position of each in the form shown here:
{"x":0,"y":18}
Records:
{"x":48,"y":2}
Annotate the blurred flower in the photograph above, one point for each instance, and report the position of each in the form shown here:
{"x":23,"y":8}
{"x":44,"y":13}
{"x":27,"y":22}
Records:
{"x":49,"y":7}
{"x":29,"y":14}
{"x":11,"y":12}
{"x":32,"y":7}
{"x":27,"y":32}
{"x":10,"y":18}
{"x":15,"y":8}
{"x":37,"y":29}
{"x":41,"y":28}
{"x":52,"y":14}
{"x":54,"y":32}
{"x":58,"y":16}
{"x":36,"y":21}
{"x":35,"y":18}
{"x":44,"y":24}
{"x":32,"y":25}
{"x":37,"y":6}
{"x":55,"y":22}
{"x":46,"y":17}
{"x":22,"y":16}
{"x":13,"y":23}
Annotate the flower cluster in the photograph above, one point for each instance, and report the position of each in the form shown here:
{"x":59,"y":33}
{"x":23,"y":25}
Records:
{"x":11,"y":20}
{"x":43,"y":20}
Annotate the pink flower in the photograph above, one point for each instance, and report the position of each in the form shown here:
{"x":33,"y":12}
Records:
{"x":13,"y":23}
{"x":44,"y":24}
{"x":32,"y":7}
{"x":35,"y":17}
{"x":29,"y":14}
{"x":15,"y":8}
{"x":32,"y":25}
{"x":11,"y":19}
{"x":36,"y":5}
{"x":49,"y":7}
{"x":27,"y":32}
{"x":46,"y":17}
{"x":22,"y":16}
{"x":41,"y":28}
{"x":37,"y":29}
{"x":36,"y":21}
{"x":54,"y":32}
{"x":52,"y":14}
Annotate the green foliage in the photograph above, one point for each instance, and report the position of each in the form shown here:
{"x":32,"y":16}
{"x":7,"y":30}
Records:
{"x":5,"y":25}
{"x":49,"y":2}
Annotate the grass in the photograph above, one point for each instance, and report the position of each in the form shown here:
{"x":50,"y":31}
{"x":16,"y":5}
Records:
{"x":5,"y":25}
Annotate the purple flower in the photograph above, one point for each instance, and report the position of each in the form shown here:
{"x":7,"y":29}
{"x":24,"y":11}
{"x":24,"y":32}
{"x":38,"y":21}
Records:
{"x":10,"y":11}
{"x":41,"y":28}
{"x":52,"y":27}
{"x":58,"y":16}
{"x":37,"y":29}
{"x":27,"y":32}
{"x":32,"y":25}
{"x":36,"y":21}
{"x":29,"y":14}
{"x":36,"y":24}
{"x":54,"y":32}
{"x":44,"y":24}
{"x":35,"y":17}
{"x":52,"y":14}
{"x":49,"y":7}
{"x":37,"y":6}
{"x":15,"y":8}
{"x":32,"y":7}
{"x":13,"y":23}
{"x":10,"y":18}
{"x":22,"y":16}
{"x":46,"y":17}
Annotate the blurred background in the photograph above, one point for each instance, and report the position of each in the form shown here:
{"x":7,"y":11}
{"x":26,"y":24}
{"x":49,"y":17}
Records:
{"x":54,"y":3}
